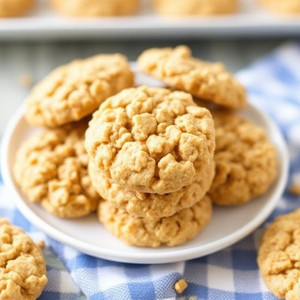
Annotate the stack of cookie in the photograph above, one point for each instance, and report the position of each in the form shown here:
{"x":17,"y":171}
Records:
{"x":157,"y":157}
{"x":151,"y":158}
{"x":51,"y":167}
{"x":246,"y":161}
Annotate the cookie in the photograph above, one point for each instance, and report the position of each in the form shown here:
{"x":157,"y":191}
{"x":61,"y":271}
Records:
{"x":95,"y":8}
{"x":170,"y":231}
{"x":282,"y":7}
{"x":151,"y":140}
{"x":246,"y":161}
{"x":195,"y":7}
{"x":279,"y":256}
{"x":74,"y":91}
{"x":51,"y":169}
{"x":151,"y":206}
{"x":209,"y":81}
{"x":22,"y":266}
{"x":14,"y":8}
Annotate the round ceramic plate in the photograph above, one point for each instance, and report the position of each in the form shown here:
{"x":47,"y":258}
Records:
{"x":228,"y":225}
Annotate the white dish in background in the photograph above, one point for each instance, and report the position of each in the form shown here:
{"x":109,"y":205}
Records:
{"x":228,"y":225}
{"x":251,"y":20}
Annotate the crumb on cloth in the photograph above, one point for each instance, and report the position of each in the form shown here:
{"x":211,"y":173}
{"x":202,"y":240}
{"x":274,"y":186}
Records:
{"x":180,"y":286}
{"x":295,"y":189}
{"x":40,"y":244}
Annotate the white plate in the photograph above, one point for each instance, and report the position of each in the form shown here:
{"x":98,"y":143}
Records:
{"x":228,"y":225}
{"x":251,"y":20}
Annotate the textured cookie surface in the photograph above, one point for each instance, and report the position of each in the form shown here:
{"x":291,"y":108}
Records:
{"x":94,"y":8}
{"x":170,"y":231}
{"x":195,"y":7}
{"x":246,"y":162}
{"x":279,"y":256}
{"x":51,"y":168}
{"x":151,"y":206}
{"x":283,"y":7}
{"x":151,"y":140}
{"x":22,"y":266}
{"x":73,"y":91}
{"x":209,"y":81}
{"x":13,"y":8}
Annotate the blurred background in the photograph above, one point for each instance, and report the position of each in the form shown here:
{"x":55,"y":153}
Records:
{"x":37,"y":36}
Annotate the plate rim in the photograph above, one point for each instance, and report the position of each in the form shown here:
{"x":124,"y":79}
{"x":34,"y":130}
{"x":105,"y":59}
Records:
{"x":170,"y":256}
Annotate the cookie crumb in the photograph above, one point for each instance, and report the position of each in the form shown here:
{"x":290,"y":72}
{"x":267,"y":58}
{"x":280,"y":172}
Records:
{"x":180,"y":286}
{"x":41,"y":244}
{"x":295,"y":189}
{"x":193,"y":298}
{"x":25,"y":80}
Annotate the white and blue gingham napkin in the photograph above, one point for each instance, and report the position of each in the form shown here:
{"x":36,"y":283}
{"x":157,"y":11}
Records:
{"x":274,"y":85}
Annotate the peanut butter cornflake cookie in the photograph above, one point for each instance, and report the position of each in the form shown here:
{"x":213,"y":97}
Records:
{"x":74,"y":91}
{"x":195,"y":7}
{"x":151,"y":140}
{"x":279,"y":256}
{"x":246,"y":161}
{"x":170,"y":231}
{"x":51,"y":169}
{"x":22,"y":266}
{"x":209,"y":81}
{"x":95,"y":8}
{"x":14,"y":8}
{"x":151,"y":206}
{"x":282,"y":7}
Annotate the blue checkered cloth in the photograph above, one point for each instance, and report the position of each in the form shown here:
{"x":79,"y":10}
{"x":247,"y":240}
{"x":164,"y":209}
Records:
{"x":273,"y":85}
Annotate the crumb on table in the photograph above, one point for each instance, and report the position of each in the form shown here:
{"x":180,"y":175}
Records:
{"x":180,"y":286}
{"x":25,"y":80}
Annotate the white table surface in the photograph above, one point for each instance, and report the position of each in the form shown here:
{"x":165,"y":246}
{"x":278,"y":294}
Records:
{"x":37,"y":59}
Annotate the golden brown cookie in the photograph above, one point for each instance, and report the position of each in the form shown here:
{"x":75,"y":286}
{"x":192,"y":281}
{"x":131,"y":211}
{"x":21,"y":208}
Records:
{"x":246,"y":161}
{"x":151,"y":206}
{"x":95,"y":8}
{"x":279,"y":256}
{"x":51,"y":169}
{"x":282,"y":7}
{"x":195,"y":7}
{"x":14,"y":8}
{"x":171,"y":231}
{"x":151,"y":140}
{"x":22,"y":265}
{"x":209,"y":81}
{"x":74,"y":91}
